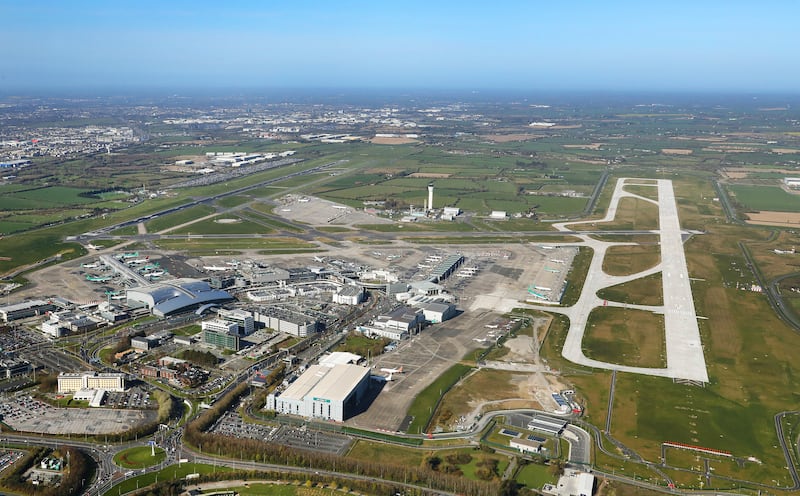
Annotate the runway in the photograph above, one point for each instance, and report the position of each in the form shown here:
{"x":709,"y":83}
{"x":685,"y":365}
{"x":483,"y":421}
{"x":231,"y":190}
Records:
{"x":685,"y":360}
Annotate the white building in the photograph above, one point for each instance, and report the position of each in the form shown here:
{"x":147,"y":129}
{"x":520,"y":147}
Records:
{"x":792,"y":182}
{"x":329,"y":393}
{"x":451,"y":211}
{"x":72,"y":382}
{"x":242,"y":318}
{"x":393,"y":334}
{"x":437,"y":312}
{"x":402,"y":319}
{"x":288,"y":321}
{"x":220,"y":326}
{"x":498,"y":214}
{"x":349,"y":295}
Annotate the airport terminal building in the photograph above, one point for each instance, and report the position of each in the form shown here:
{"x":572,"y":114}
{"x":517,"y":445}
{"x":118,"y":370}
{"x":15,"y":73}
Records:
{"x":175,"y":296}
{"x":324,"y":392}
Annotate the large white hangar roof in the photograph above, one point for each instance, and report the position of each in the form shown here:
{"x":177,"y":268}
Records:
{"x":176,"y":295}
{"x":328,"y":383}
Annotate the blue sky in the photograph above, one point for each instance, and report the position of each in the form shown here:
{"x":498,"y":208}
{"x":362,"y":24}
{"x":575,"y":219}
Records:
{"x":676,"y":45}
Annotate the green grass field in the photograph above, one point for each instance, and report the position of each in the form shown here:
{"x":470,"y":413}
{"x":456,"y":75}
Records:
{"x":224,"y":224}
{"x":178,"y":218}
{"x":534,"y":476}
{"x":627,"y":337}
{"x":140,"y":457}
{"x":764,"y":198}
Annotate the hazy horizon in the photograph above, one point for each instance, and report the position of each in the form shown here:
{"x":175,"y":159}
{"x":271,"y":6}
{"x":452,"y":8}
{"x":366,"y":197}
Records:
{"x":619,"y":46}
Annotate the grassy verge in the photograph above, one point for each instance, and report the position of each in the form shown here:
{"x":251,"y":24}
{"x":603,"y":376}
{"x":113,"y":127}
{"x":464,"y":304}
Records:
{"x":424,"y":405}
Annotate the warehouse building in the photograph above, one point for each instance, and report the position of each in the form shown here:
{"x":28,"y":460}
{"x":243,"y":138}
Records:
{"x":323,"y":392}
{"x":175,"y":296}
{"x":25,"y":309}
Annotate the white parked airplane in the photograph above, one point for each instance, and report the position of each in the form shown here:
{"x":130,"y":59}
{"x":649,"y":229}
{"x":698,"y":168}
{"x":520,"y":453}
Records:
{"x":93,"y":247}
{"x":94,"y":265}
{"x":391,"y":372}
{"x":319,"y":259}
{"x":138,"y":261}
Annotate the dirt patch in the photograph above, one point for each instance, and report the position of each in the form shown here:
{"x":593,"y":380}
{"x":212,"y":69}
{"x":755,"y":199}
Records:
{"x":676,"y":151}
{"x":768,"y":218}
{"x":431,"y":175}
{"x":785,"y":150}
{"x":388,"y":140}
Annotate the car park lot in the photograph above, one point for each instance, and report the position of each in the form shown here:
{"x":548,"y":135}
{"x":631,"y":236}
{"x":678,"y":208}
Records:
{"x":231,"y":424}
{"x":26,"y":414}
{"x":9,"y":457}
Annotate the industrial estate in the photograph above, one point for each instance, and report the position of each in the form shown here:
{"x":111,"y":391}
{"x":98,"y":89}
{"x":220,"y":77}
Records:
{"x":412,"y":297}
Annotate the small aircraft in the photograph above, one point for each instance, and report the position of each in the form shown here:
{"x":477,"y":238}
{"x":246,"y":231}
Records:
{"x":92,"y":278}
{"x":139,"y":261}
{"x":154,"y":274}
{"x":93,"y":247}
{"x":319,"y":259}
{"x":94,"y":265}
{"x":391,"y":372}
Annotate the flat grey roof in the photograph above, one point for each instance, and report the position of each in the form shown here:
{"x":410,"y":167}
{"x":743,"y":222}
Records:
{"x":330,"y":383}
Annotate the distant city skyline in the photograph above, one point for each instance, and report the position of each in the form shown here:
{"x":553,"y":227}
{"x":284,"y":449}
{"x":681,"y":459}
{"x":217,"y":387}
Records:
{"x":727,"y":46}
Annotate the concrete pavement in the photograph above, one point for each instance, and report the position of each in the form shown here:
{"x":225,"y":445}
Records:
{"x":685,"y":360}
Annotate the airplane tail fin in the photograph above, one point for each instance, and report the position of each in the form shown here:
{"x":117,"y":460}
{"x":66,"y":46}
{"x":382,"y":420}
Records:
{"x":400,"y":370}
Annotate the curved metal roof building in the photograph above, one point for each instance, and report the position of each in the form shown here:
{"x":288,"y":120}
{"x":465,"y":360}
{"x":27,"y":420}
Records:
{"x":176,"y":296}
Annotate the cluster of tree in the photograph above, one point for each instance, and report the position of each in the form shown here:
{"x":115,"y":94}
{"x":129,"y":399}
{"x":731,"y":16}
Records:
{"x":359,"y":345}
{"x":200,"y":357}
{"x":124,"y":342}
{"x":78,"y":471}
{"x":259,"y":451}
{"x":533,"y":164}
{"x":374,"y":488}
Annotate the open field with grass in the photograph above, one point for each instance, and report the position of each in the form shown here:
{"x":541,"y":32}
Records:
{"x":479,"y":387}
{"x":534,"y":476}
{"x":499,"y":238}
{"x":232,"y":245}
{"x":139,"y":457}
{"x":764,"y":198}
{"x":178,"y":218}
{"x":223,"y":224}
{"x":385,"y":453}
{"x":626,"y":337}
{"x":632,"y":214}
{"x":422,"y":409}
{"x":642,"y":291}
{"x":630,"y":259}
{"x":172,"y":472}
